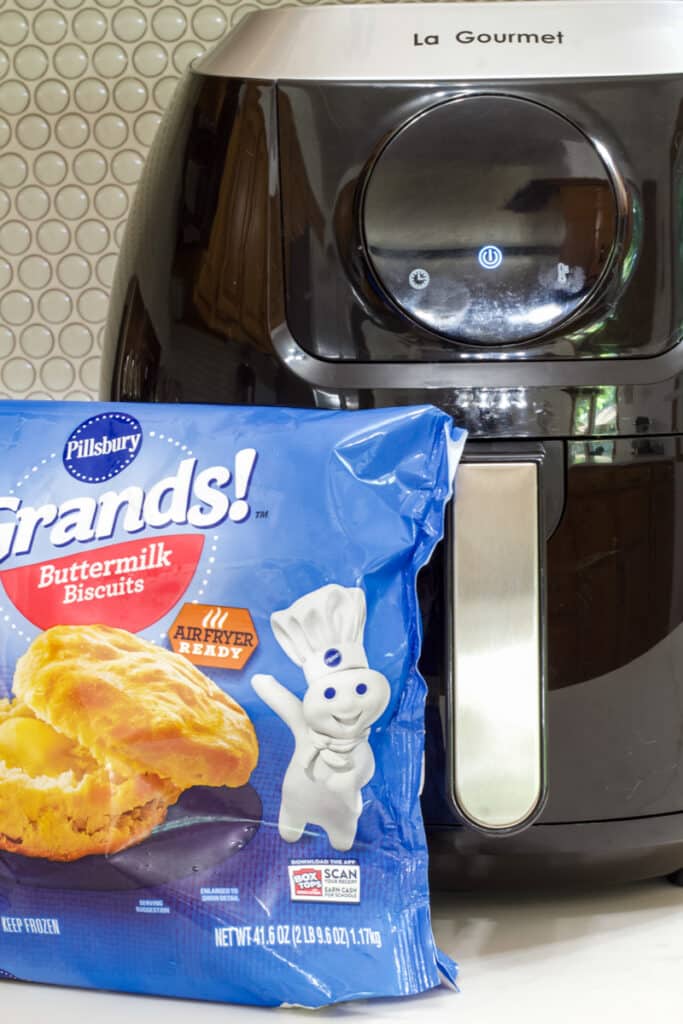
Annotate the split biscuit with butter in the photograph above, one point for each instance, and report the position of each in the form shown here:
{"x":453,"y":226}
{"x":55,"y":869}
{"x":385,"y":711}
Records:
{"x":138,"y":707}
{"x":58,"y":801}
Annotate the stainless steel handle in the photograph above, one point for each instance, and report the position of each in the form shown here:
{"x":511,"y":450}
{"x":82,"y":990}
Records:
{"x":496,"y":699}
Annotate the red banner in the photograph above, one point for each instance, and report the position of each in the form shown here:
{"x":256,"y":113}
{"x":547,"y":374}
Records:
{"x":130,"y":585}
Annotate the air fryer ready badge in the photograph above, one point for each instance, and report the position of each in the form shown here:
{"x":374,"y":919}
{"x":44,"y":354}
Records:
{"x":211,"y":719}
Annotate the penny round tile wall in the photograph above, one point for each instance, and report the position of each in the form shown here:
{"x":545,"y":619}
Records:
{"x":83,"y":87}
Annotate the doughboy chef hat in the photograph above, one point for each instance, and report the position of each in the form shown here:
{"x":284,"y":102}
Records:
{"x":322,"y":632}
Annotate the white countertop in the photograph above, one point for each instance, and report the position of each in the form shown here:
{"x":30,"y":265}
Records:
{"x":604,"y":955}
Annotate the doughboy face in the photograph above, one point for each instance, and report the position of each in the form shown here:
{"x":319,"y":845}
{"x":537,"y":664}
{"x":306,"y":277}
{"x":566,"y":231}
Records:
{"x":345,"y":704}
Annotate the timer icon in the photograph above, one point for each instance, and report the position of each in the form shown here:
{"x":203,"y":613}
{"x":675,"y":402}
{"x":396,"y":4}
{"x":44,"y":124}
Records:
{"x":418,"y":279}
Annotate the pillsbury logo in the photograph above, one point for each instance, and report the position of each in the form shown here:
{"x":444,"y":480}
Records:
{"x":102,"y":446}
{"x":332,"y":658}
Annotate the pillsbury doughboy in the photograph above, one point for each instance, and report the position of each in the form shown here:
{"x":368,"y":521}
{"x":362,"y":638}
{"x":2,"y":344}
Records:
{"x":322,"y":632}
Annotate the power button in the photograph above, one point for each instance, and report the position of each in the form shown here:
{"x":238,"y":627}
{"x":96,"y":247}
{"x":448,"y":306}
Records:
{"x":490,"y":257}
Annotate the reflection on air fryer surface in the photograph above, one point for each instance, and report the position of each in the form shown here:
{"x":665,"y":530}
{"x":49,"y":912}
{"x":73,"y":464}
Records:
{"x":509,"y":201}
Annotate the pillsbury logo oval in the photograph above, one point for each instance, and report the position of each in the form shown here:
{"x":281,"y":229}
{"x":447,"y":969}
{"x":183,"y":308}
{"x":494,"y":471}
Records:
{"x":332,"y":658}
{"x":102,"y":446}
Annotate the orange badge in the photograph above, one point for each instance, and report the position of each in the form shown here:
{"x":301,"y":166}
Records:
{"x":214,"y":636}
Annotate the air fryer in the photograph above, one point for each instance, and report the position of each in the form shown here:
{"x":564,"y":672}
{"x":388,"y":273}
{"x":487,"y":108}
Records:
{"x":477,"y":206}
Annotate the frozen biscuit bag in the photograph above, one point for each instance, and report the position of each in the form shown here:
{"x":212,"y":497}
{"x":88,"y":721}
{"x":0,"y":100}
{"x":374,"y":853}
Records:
{"x":211,"y":716}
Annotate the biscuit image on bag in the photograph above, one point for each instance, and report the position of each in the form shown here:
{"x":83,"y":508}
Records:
{"x":137,"y":706}
{"x":106,"y":732}
{"x":59,"y":802}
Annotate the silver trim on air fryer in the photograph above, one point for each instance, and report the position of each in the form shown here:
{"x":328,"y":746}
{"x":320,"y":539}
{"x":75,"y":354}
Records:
{"x":474,"y":42}
{"x":341,"y":376}
{"x":495,"y":690}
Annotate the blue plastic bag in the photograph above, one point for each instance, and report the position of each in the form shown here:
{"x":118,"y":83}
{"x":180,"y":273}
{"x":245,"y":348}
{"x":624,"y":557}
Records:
{"x":211,"y":717}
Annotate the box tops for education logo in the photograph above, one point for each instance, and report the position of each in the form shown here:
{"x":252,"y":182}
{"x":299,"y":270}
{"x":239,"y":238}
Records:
{"x":306,"y":883}
{"x":102,"y":446}
{"x":324,"y":881}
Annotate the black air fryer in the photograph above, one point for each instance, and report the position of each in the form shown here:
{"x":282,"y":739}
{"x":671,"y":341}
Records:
{"x":478,"y":206}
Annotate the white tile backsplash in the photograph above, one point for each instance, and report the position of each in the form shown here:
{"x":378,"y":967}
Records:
{"x":83,"y":86}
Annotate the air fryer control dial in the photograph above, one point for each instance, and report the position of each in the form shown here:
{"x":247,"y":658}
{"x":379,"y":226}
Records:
{"x":489,"y":219}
